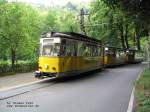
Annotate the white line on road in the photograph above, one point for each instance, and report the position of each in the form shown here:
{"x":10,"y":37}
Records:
{"x":131,"y":102}
{"x":27,"y":84}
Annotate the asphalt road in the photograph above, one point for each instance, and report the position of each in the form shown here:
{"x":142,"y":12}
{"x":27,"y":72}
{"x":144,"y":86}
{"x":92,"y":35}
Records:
{"x":105,"y":91}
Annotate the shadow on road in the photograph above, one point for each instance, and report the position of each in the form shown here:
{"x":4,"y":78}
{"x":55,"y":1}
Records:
{"x":78,"y":77}
{"x":87,"y":75}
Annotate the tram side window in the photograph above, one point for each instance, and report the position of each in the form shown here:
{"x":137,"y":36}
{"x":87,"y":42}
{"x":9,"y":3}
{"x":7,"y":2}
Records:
{"x":80,"y":49}
{"x":63,"y":48}
{"x":68,"y":49}
{"x":71,"y":48}
{"x":117,"y":54}
{"x":95,"y":51}
{"x":87,"y":50}
{"x":75,"y":49}
{"x":99,"y":51}
{"x":121,"y":53}
{"x":92,"y":49}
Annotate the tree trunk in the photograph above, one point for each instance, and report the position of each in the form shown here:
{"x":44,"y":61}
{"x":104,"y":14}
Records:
{"x":138,"y":42}
{"x":13,"y":56}
{"x":149,"y":51}
{"x":126,"y":36}
{"x":122,"y":41}
{"x":134,"y":40}
{"x":137,"y":39}
{"x":122,"y":36}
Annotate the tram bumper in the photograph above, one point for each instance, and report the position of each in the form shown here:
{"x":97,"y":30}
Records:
{"x":39,"y":74}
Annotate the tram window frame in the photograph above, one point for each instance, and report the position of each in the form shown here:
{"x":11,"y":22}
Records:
{"x":40,"y":49}
{"x":68,"y":48}
{"x":96,"y":54}
{"x":99,"y":51}
{"x":63,"y":47}
{"x":85,"y":51}
{"x":121,"y":53}
{"x":51,"y":51}
{"x":89,"y":51}
{"x":71,"y":47}
{"x":92,"y":49}
{"x":80,"y":49}
{"x":117,"y":54}
{"x":75,"y":48}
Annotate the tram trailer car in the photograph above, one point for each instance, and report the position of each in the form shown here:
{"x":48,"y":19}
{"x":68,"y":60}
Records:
{"x":114,"y":56}
{"x":133,"y":56}
{"x":65,"y":54}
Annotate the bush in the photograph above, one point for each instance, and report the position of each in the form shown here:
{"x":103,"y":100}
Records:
{"x":20,"y":66}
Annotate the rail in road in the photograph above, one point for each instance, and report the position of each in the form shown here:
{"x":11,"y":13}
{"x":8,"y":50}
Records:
{"x":105,"y":91}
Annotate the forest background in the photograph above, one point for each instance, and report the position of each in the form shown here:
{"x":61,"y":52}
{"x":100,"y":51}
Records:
{"x":21,"y":25}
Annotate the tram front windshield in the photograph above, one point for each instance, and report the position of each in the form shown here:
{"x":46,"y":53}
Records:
{"x":51,"y":49}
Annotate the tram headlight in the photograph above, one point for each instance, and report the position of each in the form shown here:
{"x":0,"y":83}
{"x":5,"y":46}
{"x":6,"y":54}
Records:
{"x":106,"y":48}
{"x":46,"y":66}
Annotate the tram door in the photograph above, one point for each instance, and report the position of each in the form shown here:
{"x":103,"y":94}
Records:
{"x":71,"y":53}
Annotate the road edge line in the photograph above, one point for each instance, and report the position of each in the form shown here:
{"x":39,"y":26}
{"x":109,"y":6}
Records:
{"x":132,"y":97}
{"x":131,"y":102}
{"x":26,"y":84}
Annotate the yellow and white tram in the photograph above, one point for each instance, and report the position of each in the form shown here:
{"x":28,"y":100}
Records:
{"x":65,"y":54}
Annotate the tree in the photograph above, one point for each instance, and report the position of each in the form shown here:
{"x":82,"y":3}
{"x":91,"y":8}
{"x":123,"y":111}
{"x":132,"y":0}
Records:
{"x":67,"y":21}
{"x":18,"y":26}
{"x":49,"y":21}
{"x":138,"y":9}
{"x":110,"y":25}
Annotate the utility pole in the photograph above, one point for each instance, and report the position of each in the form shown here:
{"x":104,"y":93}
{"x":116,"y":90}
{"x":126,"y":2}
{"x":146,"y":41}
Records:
{"x":82,"y":26}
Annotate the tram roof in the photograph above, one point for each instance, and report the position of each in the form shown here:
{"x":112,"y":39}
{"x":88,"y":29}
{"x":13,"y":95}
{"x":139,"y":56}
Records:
{"x":71,"y":35}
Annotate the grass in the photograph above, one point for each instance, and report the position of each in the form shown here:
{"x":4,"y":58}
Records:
{"x":142,"y":92}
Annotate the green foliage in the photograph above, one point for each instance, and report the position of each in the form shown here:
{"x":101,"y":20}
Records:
{"x":143,"y":92}
{"x":138,"y":10}
{"x":67,"y":21}
{"x":18,"y":26}
{"x":19,"y":31}
{"x":107,"y":24}
{"x":49,"y":22}
{"x":60,"y":20}
{"x":114,"y":26}
{"x":21,"y":26}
